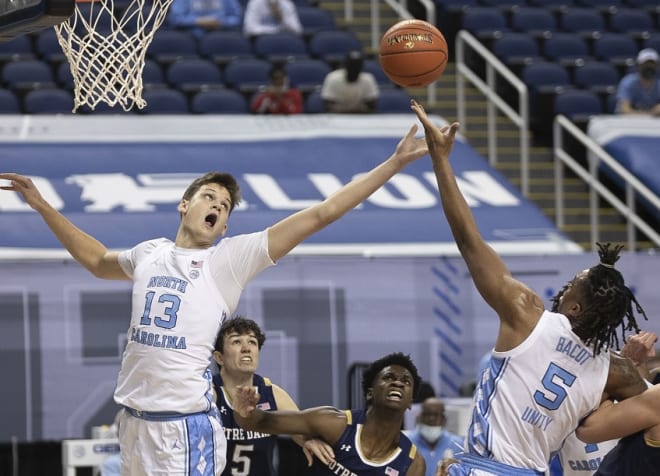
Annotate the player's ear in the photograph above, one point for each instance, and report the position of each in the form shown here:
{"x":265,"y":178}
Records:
{"x":217,"y":356}
{"x":183,"y":206}
{"x":224,"y":230}
{"x":370,"y":395}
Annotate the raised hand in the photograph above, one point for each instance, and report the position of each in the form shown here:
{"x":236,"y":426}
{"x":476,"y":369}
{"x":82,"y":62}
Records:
{"x":245,"y":401}
{"x":438,"y":139}
{"x":411,"y":148}
{"x":640,"y":347}
{"x":24,"y":186}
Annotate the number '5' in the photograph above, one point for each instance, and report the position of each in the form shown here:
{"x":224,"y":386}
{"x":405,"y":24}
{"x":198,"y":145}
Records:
{"x":552,"y":381}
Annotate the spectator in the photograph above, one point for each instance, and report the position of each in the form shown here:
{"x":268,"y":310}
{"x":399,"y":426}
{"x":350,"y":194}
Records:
{"x":433,"y":441}
{"x":200,"y":16}
{"x":639,"y":92}
{"x":278,"y":97}
{"x":349,"y":89}
{"x":264,"y":17}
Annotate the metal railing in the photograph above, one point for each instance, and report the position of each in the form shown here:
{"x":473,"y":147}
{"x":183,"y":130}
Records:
{"x":596,"y":158}
{"x":520,"y":117}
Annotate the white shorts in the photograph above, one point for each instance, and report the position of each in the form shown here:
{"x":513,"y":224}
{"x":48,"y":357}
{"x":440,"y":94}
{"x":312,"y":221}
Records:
{"x":189,"y":445}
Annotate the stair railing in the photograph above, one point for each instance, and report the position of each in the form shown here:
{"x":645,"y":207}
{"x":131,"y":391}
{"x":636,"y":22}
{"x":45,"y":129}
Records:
{"x":464,"y":42}
{"x":596,"y":158}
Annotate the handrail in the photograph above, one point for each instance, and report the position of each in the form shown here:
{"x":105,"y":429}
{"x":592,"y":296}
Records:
{"x":597,"y":190}
{"x":520,"y":118}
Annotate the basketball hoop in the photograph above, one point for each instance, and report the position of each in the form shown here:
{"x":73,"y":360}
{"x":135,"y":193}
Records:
{"x":106,"y":49}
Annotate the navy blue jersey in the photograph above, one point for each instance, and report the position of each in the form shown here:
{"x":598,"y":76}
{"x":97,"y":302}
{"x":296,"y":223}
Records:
{"x":350,"y":462}
{"x":249,"y":453}
{"x":632,"y":456}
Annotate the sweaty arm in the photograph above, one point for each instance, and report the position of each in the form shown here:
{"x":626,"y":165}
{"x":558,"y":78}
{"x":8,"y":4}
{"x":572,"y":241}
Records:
{"x":616,"y":420}
{"x":517,"y":306}
{"x":311,"y":446}
{"x":292,"y":230}
{"x":84,"y":248}
{"x":623,"y":380}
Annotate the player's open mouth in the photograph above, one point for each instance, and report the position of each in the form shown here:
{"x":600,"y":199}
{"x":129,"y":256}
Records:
{"x":211,"y":219}
{"x":395,"y":394}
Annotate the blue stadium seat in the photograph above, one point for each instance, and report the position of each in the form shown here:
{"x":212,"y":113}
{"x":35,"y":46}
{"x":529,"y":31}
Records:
{"x":169,"y":46}
{"x":48,"y":48}
{"x":578,"y":105}
{"x":63,"y":76}
{"x":164,"y":101}
{"x":48,"y":101}
{"x":9,"y":103}
{"x":584,"y":21}
{"x":566,"y":48}
{"x":222,"y":47}
{"x":332,"y":46}
{"x":516,"y":50}
{"x":653,"y":41}
{"x":536,"y":21}
{"x":23,"y":75}
{"x":220,"y":101}
{"x":617,"y":48}
{"x":392,"y":101}
{"x":314,"y":103}
{"x":505,"y":5}
{"x":247,"y":74}
{"x":632,"y":22}
{"x":314,"y":19}
{"x":544,"y":81}
{"x":20,"y":48}
{"x":153,"y":75}
{"x":555,"y":6}
{"x":600,"y":77}
{"x":280,"y":47}
{"x":485,"y":23}
{"x":307,"y":74}
{"x":604,"y":6}
{"x":192,"y":75}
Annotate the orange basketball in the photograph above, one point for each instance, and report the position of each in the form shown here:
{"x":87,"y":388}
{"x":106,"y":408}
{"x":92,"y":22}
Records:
{"x":413,"y":53}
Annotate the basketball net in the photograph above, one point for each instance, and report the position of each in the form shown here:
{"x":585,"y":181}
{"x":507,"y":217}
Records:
{"x":106,"y":49}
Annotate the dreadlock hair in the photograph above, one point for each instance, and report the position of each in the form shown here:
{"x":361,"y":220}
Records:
{"x":242,"y":326}
{"x":607,"y":303}
{"x":395,"y":358}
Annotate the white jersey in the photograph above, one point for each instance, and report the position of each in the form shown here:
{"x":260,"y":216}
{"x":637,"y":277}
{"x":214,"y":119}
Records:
{"x":582,"y":459}
{"x":180,"y":299}
{"x":531,"y":397}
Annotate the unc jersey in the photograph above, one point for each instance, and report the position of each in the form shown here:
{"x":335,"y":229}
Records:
{"x":349,"y":460}
{"x":531,"y":397}
{"x":249,"y":453}
{"x":180,"y":298}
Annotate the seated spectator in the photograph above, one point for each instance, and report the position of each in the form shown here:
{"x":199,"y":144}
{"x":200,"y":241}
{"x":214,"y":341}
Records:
{"x":431,"y":437}
{"x":639,"y":91}
{"x":349,"y":89}
{"x":201,"y":16}
{"x":263,"y":17}
{"x":278,"y":97}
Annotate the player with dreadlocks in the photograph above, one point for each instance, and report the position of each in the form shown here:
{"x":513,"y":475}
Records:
{"x":547,"y":370}
{"x":605,"y":299}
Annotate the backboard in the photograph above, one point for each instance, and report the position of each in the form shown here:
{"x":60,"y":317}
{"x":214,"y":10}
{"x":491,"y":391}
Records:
{"x":19,"y":17}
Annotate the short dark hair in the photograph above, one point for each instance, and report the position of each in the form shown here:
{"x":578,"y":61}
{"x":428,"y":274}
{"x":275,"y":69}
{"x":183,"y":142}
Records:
{"x":607,"y":303}
{"x":220,"y":178}
{"x":242,"y":326}
{"x":395,"y":358}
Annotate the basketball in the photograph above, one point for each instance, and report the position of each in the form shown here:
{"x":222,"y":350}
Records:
{"x":413,"y":53}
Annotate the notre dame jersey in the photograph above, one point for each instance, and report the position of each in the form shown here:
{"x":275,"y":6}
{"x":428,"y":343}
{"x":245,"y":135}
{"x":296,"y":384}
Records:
{"x":249,"y":453}
{"x":350,"y":462}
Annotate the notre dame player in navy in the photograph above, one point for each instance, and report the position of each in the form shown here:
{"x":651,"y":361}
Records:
{"x":250,"y":453}
{"x":365,"y":442}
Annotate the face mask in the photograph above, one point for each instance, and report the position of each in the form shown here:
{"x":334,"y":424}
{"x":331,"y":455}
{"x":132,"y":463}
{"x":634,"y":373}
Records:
{"x":430,"y":433}
{"x":648,"y":72}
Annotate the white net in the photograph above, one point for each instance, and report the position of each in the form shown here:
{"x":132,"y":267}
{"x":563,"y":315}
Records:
{"x":106,"y":47}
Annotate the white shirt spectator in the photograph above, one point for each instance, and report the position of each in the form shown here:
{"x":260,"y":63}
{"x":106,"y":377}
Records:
{"x":263,"y":17}
{"x":348,"y":96}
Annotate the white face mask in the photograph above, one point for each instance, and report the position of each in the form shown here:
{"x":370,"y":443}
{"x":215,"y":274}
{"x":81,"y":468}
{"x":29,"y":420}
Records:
{"x":430,"y":433}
